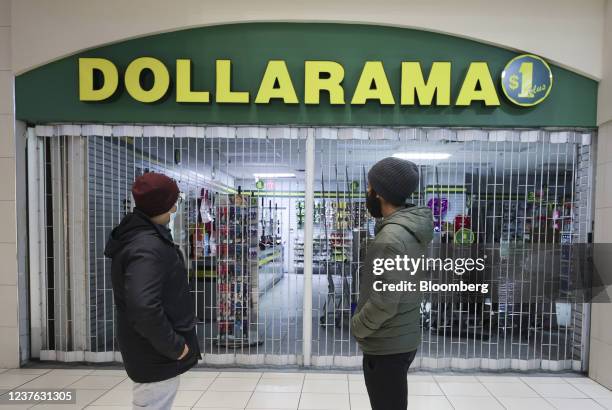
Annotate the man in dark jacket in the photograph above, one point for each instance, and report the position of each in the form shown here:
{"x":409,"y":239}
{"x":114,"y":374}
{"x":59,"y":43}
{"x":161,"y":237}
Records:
{"x":155,"y":313}
{"x":387,"y":323}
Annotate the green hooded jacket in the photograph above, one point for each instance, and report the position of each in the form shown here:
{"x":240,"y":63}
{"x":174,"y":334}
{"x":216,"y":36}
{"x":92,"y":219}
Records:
{"x":388,"y":322}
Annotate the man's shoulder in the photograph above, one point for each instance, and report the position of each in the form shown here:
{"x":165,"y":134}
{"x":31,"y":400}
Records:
{"x":394,"y":233}
{"x":147,"y":242}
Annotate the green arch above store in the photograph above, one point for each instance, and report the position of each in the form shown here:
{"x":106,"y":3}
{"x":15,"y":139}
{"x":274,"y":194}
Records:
{"x":51,"y":93}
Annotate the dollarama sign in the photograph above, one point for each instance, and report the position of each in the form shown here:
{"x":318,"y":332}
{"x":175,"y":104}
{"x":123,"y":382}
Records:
{"x":527,"y":80}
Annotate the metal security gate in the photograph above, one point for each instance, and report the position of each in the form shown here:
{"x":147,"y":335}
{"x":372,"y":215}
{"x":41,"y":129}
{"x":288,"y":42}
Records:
{"x":271,"y":215}
{"x":524,"y":197}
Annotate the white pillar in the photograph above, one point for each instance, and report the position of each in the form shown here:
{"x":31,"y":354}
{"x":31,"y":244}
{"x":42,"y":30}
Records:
{"x":308,"y":235}
{"x":36,"y":233}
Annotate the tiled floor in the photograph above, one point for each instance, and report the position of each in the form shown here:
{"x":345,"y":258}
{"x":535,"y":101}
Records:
{"x":99,"y":389}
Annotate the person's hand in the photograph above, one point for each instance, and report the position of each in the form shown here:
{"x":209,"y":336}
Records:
{"x":185,"y":351}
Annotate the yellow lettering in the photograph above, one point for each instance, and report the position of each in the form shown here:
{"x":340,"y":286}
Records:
{"x":276,"y":71}
{"x":183,"y":84}
{"x":87,"y":66}
{"x":314,"y":84}
{"x":224,"y":92}
{"x":413,"y":82}
{"x":478,"y":73}
{"x":373,"y":73}
{"x":161,"y":79}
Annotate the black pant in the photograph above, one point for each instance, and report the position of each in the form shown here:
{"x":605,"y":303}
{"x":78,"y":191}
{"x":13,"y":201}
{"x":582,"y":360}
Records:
{"x":385,"y":378}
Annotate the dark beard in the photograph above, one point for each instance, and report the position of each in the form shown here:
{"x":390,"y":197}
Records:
{"x":373,"y":205}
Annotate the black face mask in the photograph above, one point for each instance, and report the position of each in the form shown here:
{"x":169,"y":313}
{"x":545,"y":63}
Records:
{"x":373,"y":205}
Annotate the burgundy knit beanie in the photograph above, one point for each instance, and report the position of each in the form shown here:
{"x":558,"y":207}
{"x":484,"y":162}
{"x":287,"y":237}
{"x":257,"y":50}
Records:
{"x":154,"y":194}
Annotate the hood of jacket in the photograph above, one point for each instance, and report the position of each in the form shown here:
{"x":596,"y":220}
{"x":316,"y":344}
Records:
{"x":132,"y":226}
{"x":416,"y":219}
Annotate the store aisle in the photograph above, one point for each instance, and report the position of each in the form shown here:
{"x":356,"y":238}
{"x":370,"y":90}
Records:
{"x":202,"y":389}
{"x":281,"y":312}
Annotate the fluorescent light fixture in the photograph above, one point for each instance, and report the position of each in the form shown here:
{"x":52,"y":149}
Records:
{"x":273,"y":175}
{"x":422,"y":155}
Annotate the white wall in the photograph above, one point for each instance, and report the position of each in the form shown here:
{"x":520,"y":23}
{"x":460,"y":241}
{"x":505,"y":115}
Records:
{"x":604,"y":102}
{"x":568,"y":32}
{"x":600,"y":363}
{"x":9,"y":331}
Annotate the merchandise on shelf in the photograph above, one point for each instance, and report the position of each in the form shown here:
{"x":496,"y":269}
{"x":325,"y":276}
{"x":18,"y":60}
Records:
{"x":237,"y":264}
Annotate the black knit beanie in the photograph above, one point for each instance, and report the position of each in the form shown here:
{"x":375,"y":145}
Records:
{"x":394,"y":179}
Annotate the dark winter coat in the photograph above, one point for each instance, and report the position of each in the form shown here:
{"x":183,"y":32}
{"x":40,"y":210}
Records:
{"x":155,"y":312}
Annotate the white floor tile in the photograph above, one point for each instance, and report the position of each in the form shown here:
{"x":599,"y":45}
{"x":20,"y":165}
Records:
{"x":223,"y":400}
{"x":279,"y":385}
{"x":360,"y":402}
{"x":605,"y":403}
{"x":110,"y":389}
{"x":357,"y":387}
{"x":126,"y":384}
{"x":579,"y":380}
{"x":70,"y":372}
{"x":428,"y":402}
{"x":595,"y":391}
{"x":464,"y":389}
{"x":326,"y":376}
{"x":243,"y":384}
{"x":264,"y":400}
{"x":326,"y":386}
{"x":200,"y":374}
{"x":498,"y":379}
{"x":17,"y":407}
{"x":542,"y":379}
{"x":52,"y":381}
{"x":456,"y":378}
{"x":187,"y":398}
{"x":475,"y":403}
{"x":109,"y":372}
{"x":218,"y":408}
{"x":10,"y":381}
{"x":575,"y":404}
{"x":558,"y":390}
{"x":97,"y":382}
{"x":26,"y":370}
{"x":240,"y":375}
{"x":284,"y":376}
{"x":420,"y":377}
{"x":324,"y":401}
{"x":194,"y":383}
{"x":424,"y":389}
{"x":516,"y":389}
{"x":525,"y":403}
{"x":115,"y":397}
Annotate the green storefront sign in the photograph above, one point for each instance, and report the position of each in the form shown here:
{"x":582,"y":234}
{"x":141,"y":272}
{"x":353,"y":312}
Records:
{"x":306,"y":74}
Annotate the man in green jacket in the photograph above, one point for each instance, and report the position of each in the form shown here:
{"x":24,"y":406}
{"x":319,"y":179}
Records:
{"x":386,"y":323}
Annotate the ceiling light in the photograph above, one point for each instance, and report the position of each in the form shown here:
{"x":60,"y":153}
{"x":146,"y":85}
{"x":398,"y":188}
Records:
{"x":422,"y":155}
{"x":269,"y":176}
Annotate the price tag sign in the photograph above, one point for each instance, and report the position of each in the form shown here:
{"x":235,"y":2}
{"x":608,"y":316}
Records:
{"x":527,"y":80}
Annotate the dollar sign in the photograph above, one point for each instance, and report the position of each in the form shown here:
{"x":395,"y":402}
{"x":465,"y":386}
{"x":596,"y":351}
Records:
{"x":513,"y":82}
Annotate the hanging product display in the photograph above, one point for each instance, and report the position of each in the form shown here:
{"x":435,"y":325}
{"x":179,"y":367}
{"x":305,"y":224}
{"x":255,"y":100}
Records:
{"x":237,"y":270}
